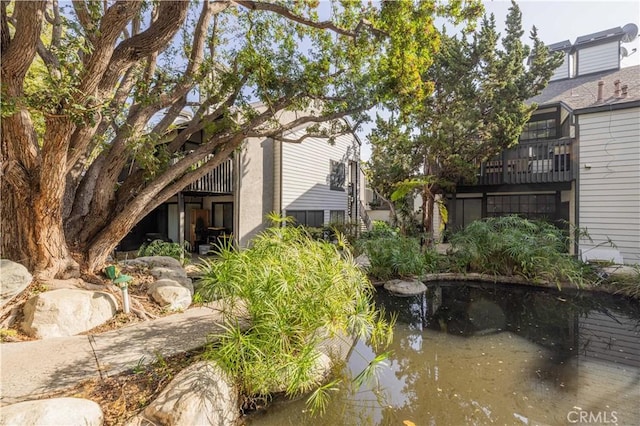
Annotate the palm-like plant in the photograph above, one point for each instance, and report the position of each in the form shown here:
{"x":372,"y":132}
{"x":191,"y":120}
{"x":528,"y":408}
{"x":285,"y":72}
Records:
{"x":297,"y":291}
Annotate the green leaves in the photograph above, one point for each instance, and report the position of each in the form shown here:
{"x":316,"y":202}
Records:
{"x":477,"y":109}
{"x":298,"y":292}
{"x":514,"y":246}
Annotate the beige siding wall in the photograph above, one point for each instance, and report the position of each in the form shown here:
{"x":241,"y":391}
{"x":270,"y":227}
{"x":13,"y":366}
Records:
{"x":563,"y":70}
{"x":306,"y":170}
{"x":598,"y":58}
{"x":609,"y":185}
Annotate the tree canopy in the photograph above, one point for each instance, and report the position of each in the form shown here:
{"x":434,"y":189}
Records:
{"x":477,"y":108}
{"x":91,"y":89}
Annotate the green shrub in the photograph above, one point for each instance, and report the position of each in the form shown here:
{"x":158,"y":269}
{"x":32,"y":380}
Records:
{"x":162,"y":248}
{"x":380,"y":229}
{"x":293,"y":287}
{"x":513,"y":246}
{"x":393,"y":256}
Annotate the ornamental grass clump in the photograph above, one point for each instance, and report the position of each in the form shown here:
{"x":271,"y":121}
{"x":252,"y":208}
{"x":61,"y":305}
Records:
{"x":297,"y":291}
{"x":514,"y":246}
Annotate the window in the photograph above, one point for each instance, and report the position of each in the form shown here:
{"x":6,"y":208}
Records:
{"x":313,"y":218}
{"x":336,"y":216}
{"x":222,"y":215}
{"x":538,"y":206}
{"x":541,"y":129}
{"x":337,"y":176}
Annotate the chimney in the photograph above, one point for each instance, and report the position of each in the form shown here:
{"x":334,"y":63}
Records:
{"x":600,"y":89}
{"x":616,"y":84}
{"x":624,"y":90}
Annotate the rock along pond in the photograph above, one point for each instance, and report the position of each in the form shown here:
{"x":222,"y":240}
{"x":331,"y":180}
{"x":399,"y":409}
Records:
{"x":476,"y":354}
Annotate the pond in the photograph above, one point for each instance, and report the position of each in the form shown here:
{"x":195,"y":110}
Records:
{"x":475,"y":354}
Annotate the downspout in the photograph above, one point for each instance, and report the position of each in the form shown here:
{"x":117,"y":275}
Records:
{"x":236,"y":196}
{"x":576,"y":150}
{"x":277,"y":176}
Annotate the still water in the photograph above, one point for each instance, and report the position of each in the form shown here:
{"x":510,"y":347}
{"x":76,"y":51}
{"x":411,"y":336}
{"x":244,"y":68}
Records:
{"x":476,"y":354}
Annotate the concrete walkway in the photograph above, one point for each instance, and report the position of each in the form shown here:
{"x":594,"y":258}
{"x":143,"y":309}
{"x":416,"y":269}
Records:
{"x":29,"y":370}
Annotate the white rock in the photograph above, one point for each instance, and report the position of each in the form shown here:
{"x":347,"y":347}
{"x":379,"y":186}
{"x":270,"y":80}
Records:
{"x":67,"y":312}
{"x":199,"y":395}
{"x":171,"y":294}
{"x":363,"y":261}
{"x":56,"y":411}
{"x":159,"y":272}
{"x":153,"y":261}
{"x":13,"y":279}
{"x":405,"y":288}
{"x":176,"y":274}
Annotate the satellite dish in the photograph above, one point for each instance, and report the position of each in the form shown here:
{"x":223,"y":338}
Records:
{"x":630,"y":32}
{"x":623,"y":52}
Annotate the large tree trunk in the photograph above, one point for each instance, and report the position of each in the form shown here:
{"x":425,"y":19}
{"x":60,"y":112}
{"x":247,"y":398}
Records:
{"x":32,"y":231}
{"x":32,"y":234}
{"x":428,"y":203}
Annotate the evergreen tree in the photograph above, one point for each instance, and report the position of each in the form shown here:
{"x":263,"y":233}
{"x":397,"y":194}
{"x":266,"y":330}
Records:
{"x":477,"y":108}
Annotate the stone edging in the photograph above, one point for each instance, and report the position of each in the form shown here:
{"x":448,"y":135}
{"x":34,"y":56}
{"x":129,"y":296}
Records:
{"x":503,"y":279}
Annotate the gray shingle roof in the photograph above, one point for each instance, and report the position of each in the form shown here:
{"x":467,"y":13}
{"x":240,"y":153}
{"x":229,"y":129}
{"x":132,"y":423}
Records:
{"x":561,"y":45}
{"x":613,"y":33}
{"x":582,"y":92}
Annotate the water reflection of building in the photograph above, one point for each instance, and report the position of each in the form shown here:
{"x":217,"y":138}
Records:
{"x":571,"y":325}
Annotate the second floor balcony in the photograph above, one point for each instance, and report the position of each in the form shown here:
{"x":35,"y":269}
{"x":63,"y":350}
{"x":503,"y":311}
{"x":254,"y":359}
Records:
{"x":542,"y":161}
{"x":217,"y":181}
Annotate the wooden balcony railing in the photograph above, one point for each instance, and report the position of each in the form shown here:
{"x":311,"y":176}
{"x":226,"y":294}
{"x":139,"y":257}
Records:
{"x":217,"y":181}
{"x":545,"y":161}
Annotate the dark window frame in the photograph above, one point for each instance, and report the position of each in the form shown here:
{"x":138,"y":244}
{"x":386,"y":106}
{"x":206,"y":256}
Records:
{"x":540,"y":124}
{"x":340,"y":216}
{"x":337,"y":175}
{"x":530,"y":206}
{"x":307,"y":217}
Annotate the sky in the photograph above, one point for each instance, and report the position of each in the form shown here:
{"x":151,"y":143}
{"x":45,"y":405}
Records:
{"x":557,"y":21}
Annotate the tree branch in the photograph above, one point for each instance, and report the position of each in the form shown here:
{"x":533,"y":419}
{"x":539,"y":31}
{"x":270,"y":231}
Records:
{"x":96,"y":64}
{"x":171,"y":15}
{"x":310,"y":119}
{"x":322,"y":25}
{"x":18,"y":53}
{"x":47,"y":57}
{"x":82,"y":141}
{"x":56,"y":32}
{"x":84,"y":17}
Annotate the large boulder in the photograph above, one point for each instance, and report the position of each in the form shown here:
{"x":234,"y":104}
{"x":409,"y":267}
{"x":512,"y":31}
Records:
{"x":67,"y":312}
{"x":199,"y":395}
{"x":56,"y":411}
{"x":13,"y":279}
{"x":405,"y":288}
{"x":153,"y":262}
{"x":176,"y":274}
{"x":170,"y":294}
